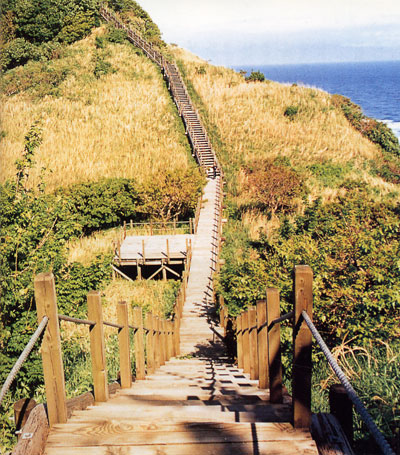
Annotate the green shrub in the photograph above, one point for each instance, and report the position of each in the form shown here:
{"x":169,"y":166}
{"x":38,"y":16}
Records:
{"x":37,"y":78}
{"x":116,"y":35}
{"x":201,"y":70}
{"x":330,"y":174}
{"x":17,"y":52}
{"x":76,"y":26}
{"x":255,"y":76}
{"x":376,"y":132}
{"x":291,"y":112}
{"x":102,"y":67}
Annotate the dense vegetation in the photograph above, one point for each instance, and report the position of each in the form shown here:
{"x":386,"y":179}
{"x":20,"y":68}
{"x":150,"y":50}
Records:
{"x":304,"y":187}
{"x":37,"y":29}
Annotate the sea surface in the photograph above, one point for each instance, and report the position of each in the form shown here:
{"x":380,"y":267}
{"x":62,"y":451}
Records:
{"x":375,"y":86}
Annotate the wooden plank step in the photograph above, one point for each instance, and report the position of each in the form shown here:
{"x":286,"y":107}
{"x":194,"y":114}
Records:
{"x":300,"y":447}
{"x":176,"y":413}
{"x":128,"y":433}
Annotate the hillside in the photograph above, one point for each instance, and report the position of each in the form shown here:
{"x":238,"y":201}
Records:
{"x":90,"y":138}
{"x":104,"y":112}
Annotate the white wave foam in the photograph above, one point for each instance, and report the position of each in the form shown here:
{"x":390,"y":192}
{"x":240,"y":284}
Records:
{"x":394,"y":126}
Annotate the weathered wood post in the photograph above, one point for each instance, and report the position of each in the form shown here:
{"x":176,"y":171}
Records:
{"x":262,"y":335}
{"x":150,"y":343}
{"x":253,"y":343}
{"x":274,"y":346}
{"x":163,"y":341}
{"x":53,"y":370}
{"x":124,"y":346}
{"x":170,"y":343}
{"x":99,"y":366}
{"x":22,"y":410}
{"x":176,"y":336}
{"x":239,"y":341}
{"x":157,"y":350}
{"x":245,"y":342}
{"x":302,"y":343}
{"x":139,"y":345}
{"x":342,"y":408}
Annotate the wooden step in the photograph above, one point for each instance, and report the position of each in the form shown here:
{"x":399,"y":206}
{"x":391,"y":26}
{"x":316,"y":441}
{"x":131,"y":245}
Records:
{"x":131,"y":433}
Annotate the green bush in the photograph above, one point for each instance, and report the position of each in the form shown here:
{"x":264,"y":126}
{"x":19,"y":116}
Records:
{"x":330,"y":174}
{"x":255,"y":76}
{"x":17,"y":52}
{"x":116,"y":35}
{"x":102,"y":67}
{"x":291,"y":112}
{"x":376,"y":132}
{"x":37,"y":78}
{"x":76,"y":26}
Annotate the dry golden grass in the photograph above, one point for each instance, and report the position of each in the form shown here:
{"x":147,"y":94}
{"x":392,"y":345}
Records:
{"x":251,"y":123}
{"x":121,"y":125}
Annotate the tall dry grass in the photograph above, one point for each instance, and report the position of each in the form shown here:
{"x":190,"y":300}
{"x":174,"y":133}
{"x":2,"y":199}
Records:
{"x":121,"y":125}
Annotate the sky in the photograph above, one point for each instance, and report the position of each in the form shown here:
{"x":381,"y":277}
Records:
{"x":232,"y":33}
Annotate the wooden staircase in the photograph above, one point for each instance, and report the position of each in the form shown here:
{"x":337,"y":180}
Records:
{"x":197,"y":403}
{"x":201,"y":145}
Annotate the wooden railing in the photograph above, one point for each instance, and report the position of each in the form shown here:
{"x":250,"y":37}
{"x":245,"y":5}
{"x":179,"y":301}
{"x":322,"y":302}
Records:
{"x":258,"y":343}
{"x":156,"y":340}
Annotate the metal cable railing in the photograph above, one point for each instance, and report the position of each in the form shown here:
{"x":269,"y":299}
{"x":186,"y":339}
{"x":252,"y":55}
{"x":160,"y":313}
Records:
{"x":380,"y":440}
{"x":22,"y":358}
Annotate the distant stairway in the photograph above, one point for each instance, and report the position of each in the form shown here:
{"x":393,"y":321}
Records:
{"x":197,"y":134}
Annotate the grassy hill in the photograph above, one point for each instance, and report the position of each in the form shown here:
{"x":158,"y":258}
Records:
{"x":113,"y":122}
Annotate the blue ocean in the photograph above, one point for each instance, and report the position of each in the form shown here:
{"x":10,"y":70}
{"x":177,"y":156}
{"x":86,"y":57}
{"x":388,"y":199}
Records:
{"x":375,"y":86}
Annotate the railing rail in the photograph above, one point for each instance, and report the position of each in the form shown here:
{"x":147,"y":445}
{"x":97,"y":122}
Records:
{"x":22,"y":358}
{"x":156,"y":340}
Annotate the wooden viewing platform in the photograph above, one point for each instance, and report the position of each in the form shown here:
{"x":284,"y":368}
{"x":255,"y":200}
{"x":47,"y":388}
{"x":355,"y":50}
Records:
{"x":164,"y":252}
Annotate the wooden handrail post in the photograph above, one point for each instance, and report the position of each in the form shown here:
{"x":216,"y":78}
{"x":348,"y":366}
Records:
{"x":274,"y":346}
{"x":342,"y":408}
{"x":139,"y":345}
{"x":239,"y":340}
{"x":124,"y":346}
{"x":302,"y":343}
{"x":53,"y":370}
{"x":99,"y":366}
{"x":157,"y":351}
{"x":163,"y":342}
{"x":246,"y":342}
{"x":253,"y":352}
{"x":262,"y":334}
{"x":176,"y":336}
{"x":150,"y":343}
{"x":170,"y":341}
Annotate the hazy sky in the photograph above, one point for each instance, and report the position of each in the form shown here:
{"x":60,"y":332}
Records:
{"x":281,"y":31}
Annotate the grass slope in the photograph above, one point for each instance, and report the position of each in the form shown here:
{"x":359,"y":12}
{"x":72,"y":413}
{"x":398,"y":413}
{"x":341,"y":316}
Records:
{"x":121,"y":124}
